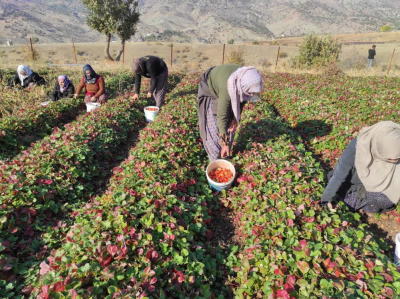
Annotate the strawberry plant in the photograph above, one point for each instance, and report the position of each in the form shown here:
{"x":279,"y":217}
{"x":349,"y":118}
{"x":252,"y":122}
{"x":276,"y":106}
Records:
{"x":145,"y":236}
{"x":41,"y":187}
{"x":289,"y":246}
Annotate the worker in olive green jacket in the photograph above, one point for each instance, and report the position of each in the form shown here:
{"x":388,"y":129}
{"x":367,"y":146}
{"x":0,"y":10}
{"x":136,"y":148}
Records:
{"x":223,"y":91}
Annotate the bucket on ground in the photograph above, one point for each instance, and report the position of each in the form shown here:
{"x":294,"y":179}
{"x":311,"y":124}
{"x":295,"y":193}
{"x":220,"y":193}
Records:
{"x":92,"y":106}
{"x":44,"y":104}
{"x":150,"y":112}
{"x":222,"y":164}
{"x":397,"y":250}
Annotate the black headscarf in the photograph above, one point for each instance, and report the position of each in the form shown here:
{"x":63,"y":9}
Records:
{"x":92,"y":78}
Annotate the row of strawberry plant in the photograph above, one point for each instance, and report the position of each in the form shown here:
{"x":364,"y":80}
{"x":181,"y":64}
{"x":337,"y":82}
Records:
{"x":329,"y":111}
{"x":145,"y":237}
{"x":19,"y":130}
{"x":57,"y":176}
{"x":52,"y":178}
{"x":290,"y":247}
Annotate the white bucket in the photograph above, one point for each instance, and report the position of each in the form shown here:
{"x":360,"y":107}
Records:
{"x":397,"y":250}
{"x":44,"y":104}
{"x":223,"y":164}
{"x":92,"y":106}
{"x":150,"y":115}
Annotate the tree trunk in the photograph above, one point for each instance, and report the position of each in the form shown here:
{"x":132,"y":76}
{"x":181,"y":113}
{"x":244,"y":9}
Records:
{"x":107,"y":48}
{"x":118,"y":58}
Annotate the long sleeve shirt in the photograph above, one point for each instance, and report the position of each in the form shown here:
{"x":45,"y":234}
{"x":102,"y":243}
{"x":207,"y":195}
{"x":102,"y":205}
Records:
{"x":33,"y":78}
{"x":57,"y":94}
{"x":345,"y":173}
{"x":152,"y":67}
{"x":218,"y":85}
{"x":371,"y":53}
{"x":95,"y":90}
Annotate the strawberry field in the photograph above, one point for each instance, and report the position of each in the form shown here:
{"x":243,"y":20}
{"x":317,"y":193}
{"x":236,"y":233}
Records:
{"x":104,"y":205}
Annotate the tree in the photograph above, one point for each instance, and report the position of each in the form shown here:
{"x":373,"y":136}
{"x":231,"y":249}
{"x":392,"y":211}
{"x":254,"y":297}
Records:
{"x":126,"y":28}
{"x":231,"y":41}
{"x":316,"y":51}
{"x":112,"y":16}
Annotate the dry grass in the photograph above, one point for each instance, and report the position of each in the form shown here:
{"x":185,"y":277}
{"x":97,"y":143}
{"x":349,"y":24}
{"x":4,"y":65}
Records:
{"x":254,"y":55}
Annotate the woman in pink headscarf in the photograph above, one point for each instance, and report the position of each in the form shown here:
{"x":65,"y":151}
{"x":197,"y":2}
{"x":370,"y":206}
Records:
{"x":62,"y":89}
{"x":223,"y":92}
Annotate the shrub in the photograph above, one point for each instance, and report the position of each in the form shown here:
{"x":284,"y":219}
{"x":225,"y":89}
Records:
{"x":186,"y":49}
{"x":283,"y":54}
{"x":386,"y":28}
{"x":264,"y":63}
{"x":231,"y":41}
{"x":35,"y":39}
{"x":255,"y":42}
{"x":316,"y":51}
{"x":236,"y":56}
{"x":29,"y":54}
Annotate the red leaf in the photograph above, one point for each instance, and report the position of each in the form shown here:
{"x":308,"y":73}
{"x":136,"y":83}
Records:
{"x":291,"y":279}
{"x":44,"y":268}
{"x":73,"y":294}
{"x":59,"y":287}
{"x":303,"y":243}
{"x":209,"y":234}
{"x":387,"y":277}
{"x":289,"y":287}
{"x":106,"y":261}
{"x":112,"y":249}
{"x":283,"y":294}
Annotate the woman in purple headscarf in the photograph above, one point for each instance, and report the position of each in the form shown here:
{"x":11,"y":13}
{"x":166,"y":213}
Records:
{"x":223,"y":92}
{"x":62,"y":89}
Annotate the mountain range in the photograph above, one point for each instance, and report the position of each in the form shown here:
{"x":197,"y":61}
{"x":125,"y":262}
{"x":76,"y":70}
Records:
{"x":207,"y":21}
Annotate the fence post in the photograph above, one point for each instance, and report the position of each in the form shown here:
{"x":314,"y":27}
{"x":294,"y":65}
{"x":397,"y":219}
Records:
{"x":33,"y":54}
{"x":390,"y":65}
{"x":123,"y":53}
{"x":277,"y":57}
{"x":223,"y":54}
{"x":172,"y":53}
{"x":73,"y":47}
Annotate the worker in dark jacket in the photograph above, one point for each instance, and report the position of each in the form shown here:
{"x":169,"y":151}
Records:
{"x":156,"y":69}
{"x":367,"y":175}
{"x":62,"y":89}
{"x":223,"y":92}
{"x":371,"y":56}
{"x":26,"y":78}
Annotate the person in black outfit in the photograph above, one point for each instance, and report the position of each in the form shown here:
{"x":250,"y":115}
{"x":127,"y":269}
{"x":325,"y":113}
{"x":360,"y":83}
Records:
{"x":371,"y":56}
{"x":367,"y":175}
{"x":26,"y":78}
{"x":156,"y":69}
{"x":62,"y":89}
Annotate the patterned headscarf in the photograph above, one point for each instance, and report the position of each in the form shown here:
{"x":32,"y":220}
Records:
{"x":23,"y":69}
{"x":92,"y":78}
{"x":137,"y":66}
{"x":64,"y":78}
{"x":375,"y":146}
{"x":241,"y":83}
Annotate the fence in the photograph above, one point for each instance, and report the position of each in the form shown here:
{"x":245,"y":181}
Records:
{"x":201,"y":56}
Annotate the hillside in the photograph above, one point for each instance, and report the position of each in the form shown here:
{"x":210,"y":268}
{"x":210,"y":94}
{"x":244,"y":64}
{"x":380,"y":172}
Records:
{"x":201,"y":21}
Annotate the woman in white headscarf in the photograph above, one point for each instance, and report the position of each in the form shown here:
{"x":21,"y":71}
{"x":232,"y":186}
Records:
{"x":223,"y":92}
{"x":367,"y":175}
{"x":26,"y":78}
